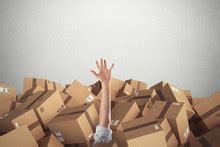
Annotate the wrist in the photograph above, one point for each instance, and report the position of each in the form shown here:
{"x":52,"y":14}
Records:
{"x":105,"y":83}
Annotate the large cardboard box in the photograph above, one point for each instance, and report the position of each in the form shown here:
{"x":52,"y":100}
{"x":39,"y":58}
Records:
{"x":29,"y":93}
{"x":143,"y":96}
{"x":169,"y":135}
{"x":208,"y":111}
{"x":46,"y":105}
{"x":123,"y":112}
{"x":138,"y":85}
{"x":19,"y":118}
{"x":210,"y":139}
{"x":7,"y":92}
{"x":141,"y":132}
{"x":173,"y":94}
{"x":50,"y":141}
{"x":176,"y":116}
{"x":20,"y":137}
{"x":75,"y":125}
{"x":7,"y":106}
{"x":127,"y":89}
{"x":30,"y":83}
{"x":80,"y":93}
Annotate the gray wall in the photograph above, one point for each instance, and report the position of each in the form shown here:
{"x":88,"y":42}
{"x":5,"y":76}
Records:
{"x":149,"y":40}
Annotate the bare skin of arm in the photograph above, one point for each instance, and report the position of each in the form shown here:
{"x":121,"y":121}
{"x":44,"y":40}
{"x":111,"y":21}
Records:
{"x":104,"y":75}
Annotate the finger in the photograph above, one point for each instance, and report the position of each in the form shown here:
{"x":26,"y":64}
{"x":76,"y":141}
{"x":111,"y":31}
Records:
{"x":112,"y":66}
{"x":101,"y":64}
{"x":97,"y":63}
{"x":105,"y":64}
{"x":92,"y":71}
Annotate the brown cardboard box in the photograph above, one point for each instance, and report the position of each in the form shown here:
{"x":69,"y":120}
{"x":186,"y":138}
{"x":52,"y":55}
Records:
{"x":143,"y":96}
{"x":208,"y":111}
{"x":70,"y":101}
{"x":169,"y":135}
{"x":19,"y":118}
{"x":30,"y":83}
{"x":141,"y":132}
{"x":46,"y":105}
{"x":20,"y":137}
{"x":210,"y":139}
{"x":123,"y":112}
{"x":138,"y":85}
{"x":7,"y":92}
{"x":7,"y":106}
{"x":173,"y":94}
{"x":80,"y":93}
{"x":176,"y":116}
{"x":96,"y":87}
{"x":50,"y":141}
{"x":127,"y":89}
{"x":188,"y":94}
{"x":75,"y":125}
{"x":29,"y":93}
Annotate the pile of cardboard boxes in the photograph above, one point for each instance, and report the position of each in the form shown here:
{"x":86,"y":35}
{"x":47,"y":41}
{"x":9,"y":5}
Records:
{"x":163,"y":115}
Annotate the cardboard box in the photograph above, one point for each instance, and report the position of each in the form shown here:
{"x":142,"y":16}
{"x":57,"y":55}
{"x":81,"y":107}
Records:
{"x":46,"y":105}
{"x":141,"y":132}
{"x":50,"y":141}
{"x":30,"y":83}
{"x":20,"y":137}
{"x":123,"y":112}
{"x":96,"y":87}
{"x":7,"y":106}
{"x":7,"y":92}
{"x":173,"y":94}
{"x":80,"y":93}
{"x":188,"y":94}
{"x":70,"y":101}
{"x":208,"y":111}
{"x":127,"y":89}
{"x":176,"y":116}
{"x":29,"y":93}
{"x":82,"y":120}
{"x":18,"y":118}
{"x":138,"y":85}
{"x":143,"y":96}
{"x":169,"y":135}
{"x":210,"y":139}
{"x":157,"y":87}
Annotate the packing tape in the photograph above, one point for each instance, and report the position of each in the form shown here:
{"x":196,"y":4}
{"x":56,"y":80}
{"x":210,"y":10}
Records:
{"x":41,"y":95}
{"x":67,"y":99}
{"x":165,"y":108}
{"x":34,"y":82}
{"x":89,"y":98}
{"x":204,"y":142}
{"x":54,"y":86}
{"x":59,"y":136}
{"x":4,"y":90}
{"x":210,"y":112}
{"x":143,"y":125}
{"x":33,"y":125}
{"x":169,"y":134}
{"x":114,"y":122}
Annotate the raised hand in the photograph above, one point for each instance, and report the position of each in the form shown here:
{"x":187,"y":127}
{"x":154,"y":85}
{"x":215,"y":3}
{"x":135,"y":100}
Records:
{"x":104,"y":73}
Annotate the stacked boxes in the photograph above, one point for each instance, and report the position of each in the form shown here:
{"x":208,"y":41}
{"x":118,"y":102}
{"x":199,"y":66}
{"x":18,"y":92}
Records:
{"x":48,"y":115}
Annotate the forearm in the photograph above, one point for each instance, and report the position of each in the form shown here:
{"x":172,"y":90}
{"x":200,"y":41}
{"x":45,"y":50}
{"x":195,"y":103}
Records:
{"x":105,"y":107}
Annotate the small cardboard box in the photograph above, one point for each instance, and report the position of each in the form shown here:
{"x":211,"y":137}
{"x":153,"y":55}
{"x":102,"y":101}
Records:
{"x":30,"y":83}
{"x":80,"y":93}
{"x":208,"y":111}
{"x":46,"y":105}
{"x":138,"y":85}
{"x":123,"y":112}
{"x":50,"y":141}
{"x":75,"y":125}
{"x":19,"y":118}
{"x":20,"y":137}
{"x":176,"y":116}
{"x":7,"y":106}
{"x":141,"y":132}
{"x":7,"y":92}
{"x":173,"y":94}
{"x":169,"y":135}
{"x":29,"y":93}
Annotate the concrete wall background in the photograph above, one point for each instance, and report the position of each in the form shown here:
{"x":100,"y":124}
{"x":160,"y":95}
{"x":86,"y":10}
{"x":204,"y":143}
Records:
{"x":175,"y":41}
